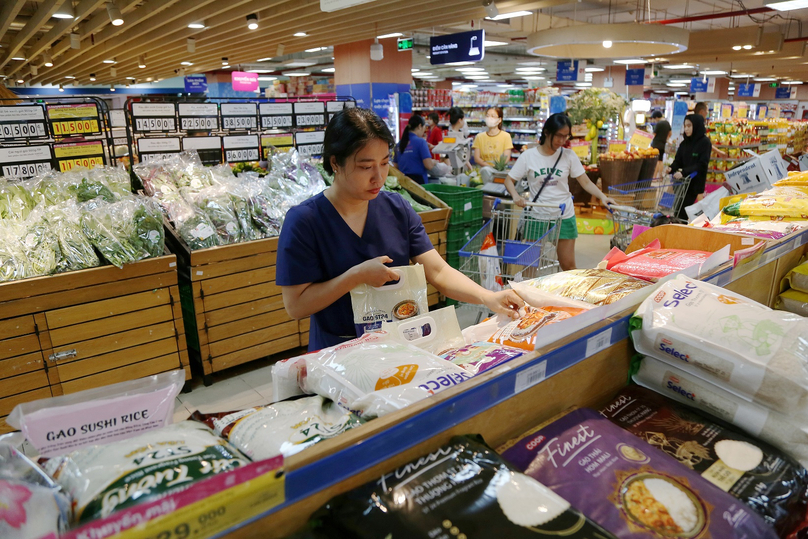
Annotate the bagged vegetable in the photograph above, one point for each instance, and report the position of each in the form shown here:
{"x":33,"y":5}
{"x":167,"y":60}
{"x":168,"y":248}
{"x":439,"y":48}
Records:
{"x":216,"y":204}
{"x":40,"y":244}
{"x":481,"y":356}
{"x":240,"y":199}
{"x":754,"y":472}
{"x":16,"y":201}
{"x":88,"y":189}
{"x":75,"y":249}
{"x":793,"y":301}
{"x":729,"y":340}
{"x":434,"y":331}
{"x":631,"y":489}
{"x":14,"y":263}
{"x":116,"y":179}
{"x":376,"y":374}
{"x":111,"y":229}
{"x":463,"y":489}
{"x":49,"y":189}
{"x":149,"y":232}
{"x":283,"y":428}
{"x":788,"y":433}
{"x":652,"y":262}
{"x":105,"y":478}
{"x":193,"y":226}
{"x":593,"y":286}
{"x":265,"y":212}
{"x":521,"y":333}
{"x":405,"y":298}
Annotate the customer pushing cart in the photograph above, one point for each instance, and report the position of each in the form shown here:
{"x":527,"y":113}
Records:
{"x":642,"y":202}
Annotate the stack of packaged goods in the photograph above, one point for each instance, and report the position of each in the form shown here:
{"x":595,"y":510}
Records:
{"x":793,"y":295}
{"x":430,"y":98}
{"x":730,"y":139}
{"x":465,"y":220}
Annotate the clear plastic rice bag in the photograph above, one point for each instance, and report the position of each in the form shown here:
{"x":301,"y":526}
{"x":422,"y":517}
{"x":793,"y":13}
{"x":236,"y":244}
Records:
{"x":111,"y":229}
{"x":594,"y":286}
{"x":75,"y":248}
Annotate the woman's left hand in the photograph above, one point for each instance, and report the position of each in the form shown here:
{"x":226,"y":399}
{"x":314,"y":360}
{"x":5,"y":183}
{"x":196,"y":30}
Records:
{"x":608,"y":201}
{"x":506,"y":302}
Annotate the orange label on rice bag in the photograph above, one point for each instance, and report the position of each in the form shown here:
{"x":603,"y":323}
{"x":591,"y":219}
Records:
{"x":397,"y":376}
{"x":522,"y":333}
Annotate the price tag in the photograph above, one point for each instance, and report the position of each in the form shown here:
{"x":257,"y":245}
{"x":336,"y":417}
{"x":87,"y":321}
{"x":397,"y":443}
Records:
{"x":241,"y":148}
{"x":582,"y":149}
{"x":598,"y":342}
{"x":199,"y":116}
{"x":333,"y":107}
{"x":117,"y":118}
{"x":617,"y":145}
{"x":74,"y":120}
{"x":151,"y":117}
{"x":239,"y":115}
{"x":25,"y":161}
{"x":281,"y":141}
{"x":80,"y":154}
{"x":310,"y":114}
{"x":22,"y":122}
{"x":276,"y":115}
{"x":310,"y":143}
{"x":208,"y":148}
{"x":530,"y":377}
{"x":153,"y":149}
{"x":640,"y":139}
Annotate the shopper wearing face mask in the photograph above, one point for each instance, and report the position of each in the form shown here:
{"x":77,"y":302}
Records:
{"x":692,"y":156}
{"x":494,"y":143}
{"x":412,"y":156}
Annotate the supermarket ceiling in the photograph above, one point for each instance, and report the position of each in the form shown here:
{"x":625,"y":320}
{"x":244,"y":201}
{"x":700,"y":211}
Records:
{"x":64,"y":41}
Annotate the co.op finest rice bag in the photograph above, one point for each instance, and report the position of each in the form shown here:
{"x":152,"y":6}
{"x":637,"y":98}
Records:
{"x":729,"y":340}
{"x":521,"y":333}
{"x":594,"y":286}
{"x":375,"y":305}
{"x":102,"y":479}
{"x":771,"y":483}
{"x":788,"y":433}
{"x":652,"y":262}
{"x":462,"y":490}
{"x":376,"y":374}
{"x":633,"y":490}
{"x":283,"y":428}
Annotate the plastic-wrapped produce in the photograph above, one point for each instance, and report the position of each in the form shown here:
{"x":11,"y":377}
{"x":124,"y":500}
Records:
{"x":157,"y":177}
{"x":240,"y":198}
{"x":16,"y":201}
{"x":193,"y":226}
{"x":216,"y":203}
{"x":149,"y":231}
{"x":265,"y":211}
{"x":88,"y":188}
{"x":116,"y":179}
{"x":111,"y":229}
{"x":50,"y":189}
{"x":76,"y":250}
{"x":14,"y":264}
{"x":40,"y":244}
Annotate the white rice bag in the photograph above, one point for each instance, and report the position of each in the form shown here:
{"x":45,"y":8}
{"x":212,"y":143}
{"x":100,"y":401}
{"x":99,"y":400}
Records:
{"x":727,"y":340}
{"x":434,"y":332}
{"x":284,"y":378}
{"x":105,"y":478}
{"x":785,"y":432}
{"x":375,"y":305}
{"x":377,"y":374}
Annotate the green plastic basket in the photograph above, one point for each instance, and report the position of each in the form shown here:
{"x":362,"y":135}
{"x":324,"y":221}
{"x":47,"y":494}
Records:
{"x":458,"y":236}
{"x":466,"y":202}
{"x":453,"y":259}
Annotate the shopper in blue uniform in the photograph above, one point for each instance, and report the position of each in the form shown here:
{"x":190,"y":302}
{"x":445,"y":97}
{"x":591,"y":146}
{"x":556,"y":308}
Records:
{"x":413,"y":157}
{"x":353,"y":232}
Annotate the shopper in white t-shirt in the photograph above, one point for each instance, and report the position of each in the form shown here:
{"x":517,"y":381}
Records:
{"x":551,"y":162}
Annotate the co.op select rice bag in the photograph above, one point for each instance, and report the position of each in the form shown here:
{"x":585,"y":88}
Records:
{"x":652,"y":262}
{"x":593,"y":286}
{"x":283,"y":428}
{"x":462,"y":490}
{"x":521,"y":333}
{"x":729,"y":340}
{"x":376,"y":374}
{"x":765,"y":479}
{"x":407,"y":297}
{"x":102,"y":479}
{"x":633,"y":490}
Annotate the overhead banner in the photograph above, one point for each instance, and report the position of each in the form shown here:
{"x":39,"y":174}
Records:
{"x":244,"y":82}
{"x":635,"y":77}
{"x":460,"y":47}
{"x":785,"y":92}
{"x":196,"y":84}
{"x":748,"y":90}
{"x":569,"y":71}
{"x":699,"y":84}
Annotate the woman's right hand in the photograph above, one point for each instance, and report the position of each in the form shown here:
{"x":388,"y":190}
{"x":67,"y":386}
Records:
{"x":519,"y":201}
{"x":373,"y":272}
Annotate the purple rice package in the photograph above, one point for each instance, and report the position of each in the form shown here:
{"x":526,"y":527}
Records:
{"x":462,"y":490}
{"x":633,"y":490}
{"x":771,"y":483}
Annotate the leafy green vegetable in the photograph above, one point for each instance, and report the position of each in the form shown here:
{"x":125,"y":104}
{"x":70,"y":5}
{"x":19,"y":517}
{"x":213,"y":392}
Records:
{"x":14,"y":264}
{"x":149,"y":233}
{"x":197,"y":231}
{"x":111,"y":231}
{"x":15,"y":201}
{"x":41,"y":247}
{"x":76,"y":250}
{"x":89,"y":190}
{"x":391,"y":185}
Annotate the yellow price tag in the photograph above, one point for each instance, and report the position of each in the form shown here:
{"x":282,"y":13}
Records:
{"x":77,"y":150}
{"x":87,"y":162}
{"x":640,"y":139}
{"x":63,"y":112}
{"x":617,"y":146}
{"x":582,"y":150}
{"x":726,"y":111}
{"x":75,"y":127}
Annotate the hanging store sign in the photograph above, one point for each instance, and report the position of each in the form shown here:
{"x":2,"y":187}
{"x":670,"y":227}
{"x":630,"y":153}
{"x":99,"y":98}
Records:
{"x":26,"y":121}
{"x":405,"y":44}
{"x":241,"y":148}
{"x":748,"y":90}
{"x":239,"y":115}
{"x":310,"y":142}
{"x":460,"y":47}
{"x":153,"y":149}
{"x":199,"y":116}
{"x":569,"y":71}
{"x":281,"y":141}
{"x":700,"y":84}
{"x":310,"y":114}
{"x":25,"y":161}
{"x":208,"y":148}
{"x":74,"y":120}
{"x":786,"y":92}
{"x":244,"y":82}
{"x":196,"y":84}
{"x":154,"y":117}
{"x":79,"y":154}
{"x":635,"y":77}
{"x":276,"y":115}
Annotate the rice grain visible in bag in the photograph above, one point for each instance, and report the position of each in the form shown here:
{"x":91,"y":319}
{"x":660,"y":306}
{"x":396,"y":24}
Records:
{"x":594,"y":286}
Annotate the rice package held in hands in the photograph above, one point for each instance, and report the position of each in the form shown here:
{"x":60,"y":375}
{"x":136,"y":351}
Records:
{"x":405,"y":298}
{"x":481,"y":356}
{"x":463,"y":489}
{"x":32,"y":505}
{"x":774,"y":485}
{"x":787,"y":433}
{"x":797,"y":278}
{"x":283,"y":428}
{"x":652,"y":262}
{"x":522,"y":333}
{"x":593,"y":286}
{"x":376,"y":374}
{"x":102,"y":479}
{"x":633,"y":490}
{"x":726,"y":339}
{"x":793,"y":301}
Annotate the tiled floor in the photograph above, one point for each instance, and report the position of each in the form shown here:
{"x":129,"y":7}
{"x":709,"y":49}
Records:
{"x":251,"y":384}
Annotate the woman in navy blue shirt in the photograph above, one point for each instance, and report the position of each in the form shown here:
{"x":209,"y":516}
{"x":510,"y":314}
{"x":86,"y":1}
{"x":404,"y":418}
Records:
{"x":413,"y":157}
{"x":349,"y":234}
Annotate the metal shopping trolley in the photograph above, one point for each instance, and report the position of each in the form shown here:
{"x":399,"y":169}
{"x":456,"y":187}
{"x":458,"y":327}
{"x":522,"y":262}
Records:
{"x":639,"y":203}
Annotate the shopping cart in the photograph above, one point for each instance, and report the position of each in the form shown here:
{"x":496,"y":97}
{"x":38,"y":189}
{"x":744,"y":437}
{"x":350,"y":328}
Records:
{"x":640,"y":203}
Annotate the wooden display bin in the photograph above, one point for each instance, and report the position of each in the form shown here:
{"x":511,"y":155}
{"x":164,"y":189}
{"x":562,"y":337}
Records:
{"x":73,"y":331}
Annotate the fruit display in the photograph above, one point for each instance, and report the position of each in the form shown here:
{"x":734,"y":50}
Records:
{"x":629,"y":155}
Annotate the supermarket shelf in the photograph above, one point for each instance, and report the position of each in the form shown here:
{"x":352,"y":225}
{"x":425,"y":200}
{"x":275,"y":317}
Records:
{"x":418,"y":109}
{"x":735,"y":146}
{"x":503,"y":105}
{"x":530,"y":131}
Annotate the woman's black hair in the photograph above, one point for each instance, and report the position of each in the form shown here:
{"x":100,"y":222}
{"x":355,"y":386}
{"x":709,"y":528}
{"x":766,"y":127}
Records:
{"x":414,"y":123}
{"x":348,"y":132}
{"x":455,"y":115}
{"x":499,"y":112}
{"x":661,"y":130}
{"x":554,"y":124}
{"x":434,"y":117}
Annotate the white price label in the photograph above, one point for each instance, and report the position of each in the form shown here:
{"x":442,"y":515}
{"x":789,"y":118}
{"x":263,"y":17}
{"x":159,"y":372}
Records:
{"x":530,"y":377}
{"x":598,"y":342}
{"x":239,"y":109}
{"x":158,"y":145}
{"x":155,"y":124}
{"x":153,"y":109}
{"x":21,"y":113}
{"x":25,"y":170}
{"x":268,"y":109}
{"x":335,"y":106}
{"x":25,"y":130}
{"x":239,"y":122}
{"x":313,"y":107}
{"x":232,"y":156}
{"x":467,"y":206}
{"x":274,"y":122}
{"x":205,"y":124}
{"x":147,"y":157}
{"x":198,"y":109}
{"x":310,"y":137}
{"x":202,"y":143}
{"x":310,"y":149}
{"x":308,"y":120}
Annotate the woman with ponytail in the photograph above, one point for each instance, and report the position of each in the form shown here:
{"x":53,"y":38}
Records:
{"x":413,"y":157}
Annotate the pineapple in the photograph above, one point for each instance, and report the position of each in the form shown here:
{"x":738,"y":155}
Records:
{"x":501,"y":163}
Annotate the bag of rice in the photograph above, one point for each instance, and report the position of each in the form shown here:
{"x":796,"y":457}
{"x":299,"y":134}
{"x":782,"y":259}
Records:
{"x":31,"y":504}
{"x":652,"y":262}
{"x":793,"y":178}
{"x":785,"y":432}
{"x":102,"y":479}
{"x":538,"y":298}
{"x":726,"y":339}
{"x":797,"y":278}
{"x":793,"y":301}
{"x":283,"y":428}
{"x":633,"y":490}
{"x":434,"y":332}
{"x":463,"y":489}
{"x":593,"y":286}
{"x":376,"y":374}
{"x":521,"y":333}
{"x":768,"y":481}
{"x":481,"y":356}
{"x":770,"y":230}
{"x":407,"y":297}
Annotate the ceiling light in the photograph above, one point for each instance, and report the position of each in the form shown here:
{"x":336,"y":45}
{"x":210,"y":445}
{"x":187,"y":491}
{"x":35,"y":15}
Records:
{"x":583,"y":84}
{"x":114,"y":13}
{"x":130,"y":78}
{"x":741,"y":76}
{"x":317,"y":49}
{"x":593,"y":69}
{"x":296,"y":73}
{"x":503,"y":16}
{"x":19,"y":58}
{"x":267,"y":78}
{"x":252,"y":21}
{"x":765,"y":79}
{"x":20,"y":81}
{"x":631,"y":61}
{"x":747,"y":47}
{"x":328,"y":70}
{"x":61,"y":88}
{"x":225,"y":62}
{"x":677,"y":66}
{"x":736,"y":47}
{"x":65,"y":12}
{"x":529,"y":69}
{"x":490,"y":8}
{"x":681,"y":93}
{"x":385,"y":36}
{"x":113,"y":72}
{"x":792,"y":82}
{"x":47,"y":60}
{"x":470,"y":69}
{"x":264,"y":59}
{"x":190,"y":45}
{"x":422,"y":74}
{"x":414,"y":70}
{"x":376,"y":51}
{"x":92,"y":77}
{"x":111,"y":87}
{"x":197,"y":25}
{"x":75,"y":41}
{"x":607,"y":44}
{"x":788,"y":5}
{"x":186,"y":63}
{"x":478,"y":77}
{"x":494,"y":43}
{"x":680,"y":81}
{"x":126,"y":86}
{"x":260,"y":70}
{"x":628,"y":41}
{"x":69,"y":77}
{"x":141,"y":62}
{"x":301,"y":63}
{"x":713,"y":72}
{"x":587,"y":78}
{"x":532,"y":77}
{"x":677,"y":84}
{"x":299,"y":34}
{"x":108,"y":61}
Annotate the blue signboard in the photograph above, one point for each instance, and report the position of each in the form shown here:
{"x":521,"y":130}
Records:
{"x":557,"y":104}
{"x":782,"y":93}
{"x":567,"y":71}
{"x":698,"y":84}
{"x":196,"y":84}
{"x":745,"y":90}
{"x":635,"y":77}
{"x":679,"y":113}
{"x":461,"y":47}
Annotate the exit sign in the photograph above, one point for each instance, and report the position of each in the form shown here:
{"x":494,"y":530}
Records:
{"x":773,"y":85}
{"x":405,"y":43}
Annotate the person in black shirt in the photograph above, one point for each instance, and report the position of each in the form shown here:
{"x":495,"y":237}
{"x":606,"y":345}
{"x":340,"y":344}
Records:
{"x":662,"y":133}
{"x":692,"y":156}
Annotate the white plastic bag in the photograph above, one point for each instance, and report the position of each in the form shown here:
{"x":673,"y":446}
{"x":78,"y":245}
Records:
{"x":434,"y":332}
{"x":407,"y":297}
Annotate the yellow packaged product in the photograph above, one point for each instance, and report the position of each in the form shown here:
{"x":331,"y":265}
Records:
{"x":797,"y":278}
{"x":593,"y":286}
{"x":794,"y":178}
{"x":793,"y":301}
{"x":777,"y":205}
